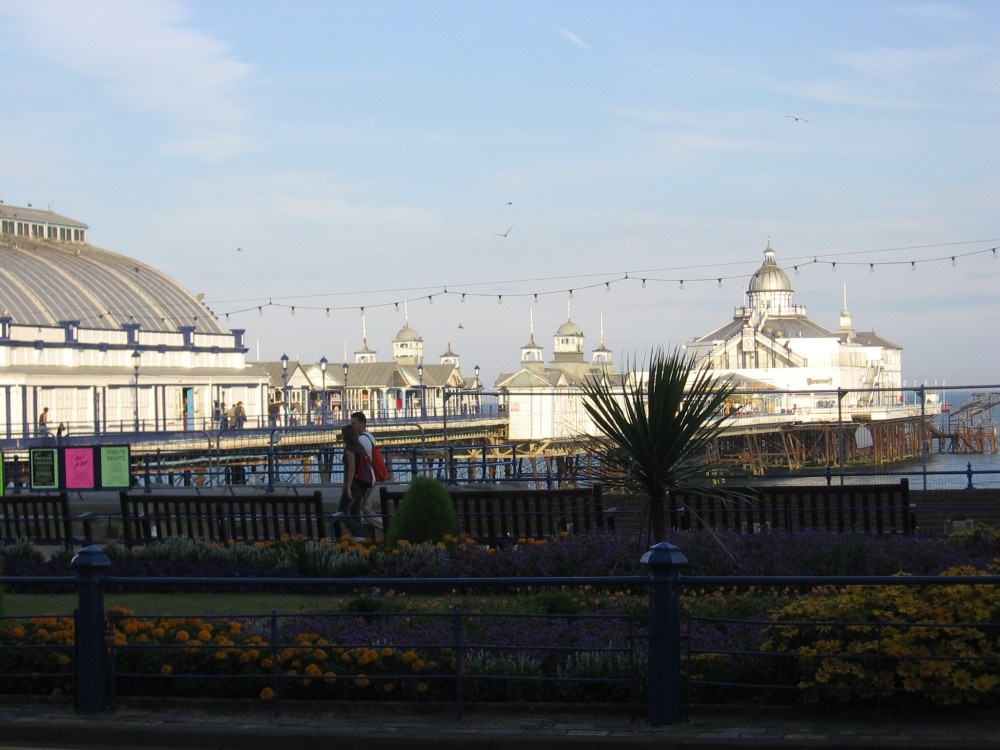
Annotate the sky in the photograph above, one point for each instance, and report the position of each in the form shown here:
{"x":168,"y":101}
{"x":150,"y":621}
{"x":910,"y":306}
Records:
{"x":326,"y":170}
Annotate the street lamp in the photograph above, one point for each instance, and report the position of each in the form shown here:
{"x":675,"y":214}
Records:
{"x":284,"y":383}
{"x":343,"y":399}
{"x":423,"y":400}
{"x":477,"y":387}
{"x":136,"y":362}
{"x":322,"y":369}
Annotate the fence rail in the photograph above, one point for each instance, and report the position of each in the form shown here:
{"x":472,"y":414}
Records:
{"x":652,"y":657}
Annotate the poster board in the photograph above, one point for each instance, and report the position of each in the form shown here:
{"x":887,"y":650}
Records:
{"x":114,"y":466}
{"x":78,"y":468}
{"x":44,"y":468}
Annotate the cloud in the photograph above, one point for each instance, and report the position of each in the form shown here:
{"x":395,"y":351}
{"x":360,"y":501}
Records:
{"x":146,"y":56}
{"x":567,"y":34}
{"x":931,"y":11}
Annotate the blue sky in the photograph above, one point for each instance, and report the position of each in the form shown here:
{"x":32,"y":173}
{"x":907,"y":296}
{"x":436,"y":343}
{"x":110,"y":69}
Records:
{"x":347,"y":155}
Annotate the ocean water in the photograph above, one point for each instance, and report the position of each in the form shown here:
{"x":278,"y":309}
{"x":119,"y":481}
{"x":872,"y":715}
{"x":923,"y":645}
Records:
{"x":941,"y":471}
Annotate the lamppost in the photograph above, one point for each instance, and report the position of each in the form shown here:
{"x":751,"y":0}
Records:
{"x":136,"y":362}
{"x":478,"y":389}
{"x":284,"y":384}
{"x":322,"y":369}
{"x":343,"y":399}
{"x":423,"y":400}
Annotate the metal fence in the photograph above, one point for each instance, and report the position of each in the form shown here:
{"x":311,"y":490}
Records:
{"x":660,"y":662}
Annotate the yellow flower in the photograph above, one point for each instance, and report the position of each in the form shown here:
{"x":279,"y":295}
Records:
{"x":166,"y":669}
{"x":361,"y":681}
{"x":267,"y":694}
{"x":422,"y":687}
{"x":182,"y":636}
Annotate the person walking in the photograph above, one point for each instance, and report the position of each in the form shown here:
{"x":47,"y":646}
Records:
{"x":358,"y":480}
{"x":241,"y":415}
{"x":43,"y":423}
{"x":367,"y":440}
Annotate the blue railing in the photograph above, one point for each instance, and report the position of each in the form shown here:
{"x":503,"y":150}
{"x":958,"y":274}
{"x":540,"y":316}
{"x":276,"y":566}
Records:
{"x":665,"y":668}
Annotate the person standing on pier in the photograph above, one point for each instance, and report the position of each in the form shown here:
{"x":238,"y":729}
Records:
{"x":358,"y":480}
{"x":367,"y":440}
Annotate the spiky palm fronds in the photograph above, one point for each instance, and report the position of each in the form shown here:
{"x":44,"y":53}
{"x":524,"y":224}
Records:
{"x":658,"y":424}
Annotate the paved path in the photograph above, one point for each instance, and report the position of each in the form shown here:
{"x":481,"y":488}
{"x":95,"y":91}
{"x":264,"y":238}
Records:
{"x":225,"y":725}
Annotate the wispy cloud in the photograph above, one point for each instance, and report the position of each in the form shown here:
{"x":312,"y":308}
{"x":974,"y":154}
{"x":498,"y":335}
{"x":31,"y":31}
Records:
{"x":567,"y":34}
{"x":147,"y":57}
{"x":931,"y":11}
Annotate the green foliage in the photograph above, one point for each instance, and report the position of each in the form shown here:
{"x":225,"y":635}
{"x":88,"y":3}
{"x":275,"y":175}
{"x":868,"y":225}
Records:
{"x":657,"y":430}
{"x":426,"y":514}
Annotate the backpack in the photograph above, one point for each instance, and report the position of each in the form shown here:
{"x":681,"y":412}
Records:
{"x":378,"y":465}
{"x":379,"y":469}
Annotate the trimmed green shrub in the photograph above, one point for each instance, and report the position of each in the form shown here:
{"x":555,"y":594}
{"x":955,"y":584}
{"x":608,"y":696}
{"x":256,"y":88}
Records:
{"x":426,"y":514}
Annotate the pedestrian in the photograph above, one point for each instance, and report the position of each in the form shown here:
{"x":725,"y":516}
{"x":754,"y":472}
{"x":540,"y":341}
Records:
{"x":224,"y":415}
{"x":358,"y":480}
{"x":62,"y":431}
{"x":367,"y":440}
{"x":241,"y":415}
{"x":43,"y":423}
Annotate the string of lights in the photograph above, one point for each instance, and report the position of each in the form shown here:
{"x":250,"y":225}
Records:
{"x":562,"y":285}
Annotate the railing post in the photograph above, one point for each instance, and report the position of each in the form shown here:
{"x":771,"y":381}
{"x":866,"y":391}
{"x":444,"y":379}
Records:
{"x":91,"y":678}
{"x":664,"y":562}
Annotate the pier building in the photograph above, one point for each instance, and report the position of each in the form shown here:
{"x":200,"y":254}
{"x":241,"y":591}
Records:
{"x":103,"y":343}
{"x":771,"y":342}
{"x":545,"y":399}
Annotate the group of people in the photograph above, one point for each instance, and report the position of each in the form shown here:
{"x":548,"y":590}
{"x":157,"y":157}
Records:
{"x":355,"y":510}
{"x":43,"y":426}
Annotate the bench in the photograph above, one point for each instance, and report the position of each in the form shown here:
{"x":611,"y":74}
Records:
{"x":499,"y":515}
{"x":872,"y":508}
{"x":155,"y":517}
{"x":44,"y":520}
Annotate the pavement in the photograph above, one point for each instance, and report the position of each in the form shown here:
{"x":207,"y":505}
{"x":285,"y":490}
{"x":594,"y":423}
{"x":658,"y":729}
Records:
{"x":200,"y":724}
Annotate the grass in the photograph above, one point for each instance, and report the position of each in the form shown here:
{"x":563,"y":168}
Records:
{"x":144,"y":603}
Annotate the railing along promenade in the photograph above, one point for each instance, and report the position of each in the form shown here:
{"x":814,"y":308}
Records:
{"x":662,"y":657}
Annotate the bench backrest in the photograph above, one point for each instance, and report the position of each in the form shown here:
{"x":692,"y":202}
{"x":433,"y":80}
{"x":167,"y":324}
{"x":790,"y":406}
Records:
{"x":44,"y":519}
{"x":878,"y":508}
{"x":248,"y":519}
{"x":498,"y":516}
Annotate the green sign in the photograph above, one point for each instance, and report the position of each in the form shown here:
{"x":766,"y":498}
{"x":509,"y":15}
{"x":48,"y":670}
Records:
{"x":115,"y":466}
{"x":44,"y":469}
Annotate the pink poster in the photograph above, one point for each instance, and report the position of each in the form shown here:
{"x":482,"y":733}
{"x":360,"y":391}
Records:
{"x":79,"y":464}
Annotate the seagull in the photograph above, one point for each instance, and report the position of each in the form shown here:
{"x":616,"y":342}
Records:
{"x":239,"y":249}
{"x":797,"y":119}
{"x":461,"y":326}
{"x":505,"y":233}
{"x":509,"y":202}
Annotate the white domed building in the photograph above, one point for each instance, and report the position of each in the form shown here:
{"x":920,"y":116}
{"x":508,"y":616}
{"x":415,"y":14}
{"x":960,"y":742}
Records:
{"x":106,"y":343}
{"x":771,"y":342}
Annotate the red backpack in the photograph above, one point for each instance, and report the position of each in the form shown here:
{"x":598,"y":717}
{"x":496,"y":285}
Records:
{"x":378,"y":465}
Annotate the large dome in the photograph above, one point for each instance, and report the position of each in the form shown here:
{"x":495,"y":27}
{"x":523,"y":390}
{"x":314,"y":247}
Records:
{"x":407,"y":334}
{"x":769,"y":277}
{"x":45,"y":282}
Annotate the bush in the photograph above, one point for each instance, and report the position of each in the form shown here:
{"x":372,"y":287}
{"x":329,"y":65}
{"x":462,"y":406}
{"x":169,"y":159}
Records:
{"x":426,"y":514}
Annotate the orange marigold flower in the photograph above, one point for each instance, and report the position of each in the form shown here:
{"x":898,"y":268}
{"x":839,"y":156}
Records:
{"x":182,"y":636}
{"x":166,"y":669}
{"x":267,"y":694}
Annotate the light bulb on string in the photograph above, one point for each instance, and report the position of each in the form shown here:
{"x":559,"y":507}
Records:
{"x":833,"y":267}
{"x":643,"y":283}
{"x":682,"y":283}
{"x":796,"y":270}
{"x":328,"y":312}
{"x":871,"y":268}
{"x":430,"y":299}
{"x":293,"y":309}
{"x":499,"y":299}
{"x":260,"y":310}
{"x":463,"y":297}
{"x":571,"y":294}
{"x":536,"y":298}
{"x":607,"y":286}
{"x":953,"y":262}
{"x":720,"y":283}
{"x":913,"y":265}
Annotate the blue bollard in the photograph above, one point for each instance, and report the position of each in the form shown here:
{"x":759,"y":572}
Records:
{"x":91,"y":678}
{"x":664,"y":561}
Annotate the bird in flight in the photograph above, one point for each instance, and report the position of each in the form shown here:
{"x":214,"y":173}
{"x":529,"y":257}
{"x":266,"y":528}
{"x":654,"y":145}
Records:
{"x":797,"y":119}
{"x":239,"y":249}
{"x":461,"y":326}
{"x":509,"y":203}
{"x":498,"y":234}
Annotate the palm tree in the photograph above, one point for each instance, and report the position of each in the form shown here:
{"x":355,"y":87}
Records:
{"x":658,"y":429}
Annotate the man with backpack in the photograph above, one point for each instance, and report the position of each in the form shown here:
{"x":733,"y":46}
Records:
{"x":368,"y":444}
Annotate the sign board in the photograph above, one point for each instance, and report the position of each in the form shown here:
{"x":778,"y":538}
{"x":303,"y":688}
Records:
{"x":115,"y":467}
{"x":44,"y":468}
{"x":78,"y":467}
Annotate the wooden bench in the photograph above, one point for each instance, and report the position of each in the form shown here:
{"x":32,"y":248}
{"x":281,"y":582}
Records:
{"x":44,"y":520}
{"x":498,"y":515}
{"x":872,"y":508}
{"x":155,"y":517}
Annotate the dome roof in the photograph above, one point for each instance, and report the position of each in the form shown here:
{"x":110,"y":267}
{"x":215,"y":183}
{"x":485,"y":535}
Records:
{"x":569,"y":328}
{"x":45,"y":282}
{"x":769,"y":277}
{"x":407,"y":334}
